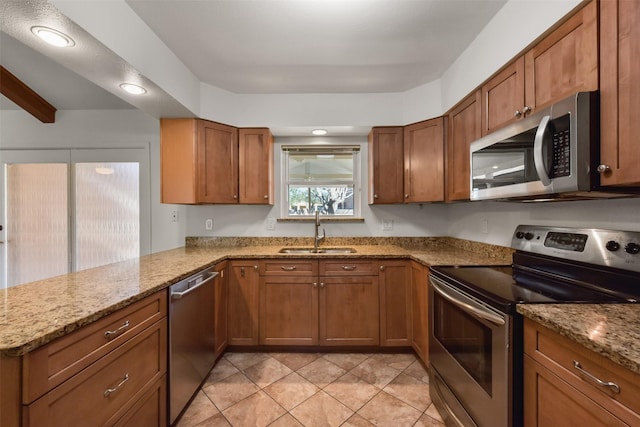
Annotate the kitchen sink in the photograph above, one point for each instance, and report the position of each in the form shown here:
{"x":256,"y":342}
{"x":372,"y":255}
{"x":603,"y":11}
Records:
{"x":303,"y":251}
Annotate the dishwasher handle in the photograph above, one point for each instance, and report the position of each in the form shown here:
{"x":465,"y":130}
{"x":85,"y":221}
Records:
{"x":177,"y":295}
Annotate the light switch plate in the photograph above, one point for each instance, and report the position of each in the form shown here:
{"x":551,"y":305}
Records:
{"x":208,"y":224}
{"x":271,"y":223}
{"x":387,"y":224}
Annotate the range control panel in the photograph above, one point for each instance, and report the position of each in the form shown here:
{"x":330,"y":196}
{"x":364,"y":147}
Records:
{"x":611,"y":248}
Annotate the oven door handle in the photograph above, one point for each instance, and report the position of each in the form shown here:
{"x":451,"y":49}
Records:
{"x":471,"y":308}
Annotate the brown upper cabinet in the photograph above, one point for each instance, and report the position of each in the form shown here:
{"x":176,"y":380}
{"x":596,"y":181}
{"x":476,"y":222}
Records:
{"x":463,"y":127}
{"x":562,"y":63}
{"x":619,"y":92}
{"x":406,"y":164}
{"x":386,"y":165}
{"x":424,"y":161}
{"x":206,"y":162}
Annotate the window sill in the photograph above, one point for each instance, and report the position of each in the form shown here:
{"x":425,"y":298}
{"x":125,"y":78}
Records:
{"x":322,"y":219}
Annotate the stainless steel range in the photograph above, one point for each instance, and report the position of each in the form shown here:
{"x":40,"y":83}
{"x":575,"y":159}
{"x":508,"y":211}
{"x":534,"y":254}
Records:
{"x":475,"y":334}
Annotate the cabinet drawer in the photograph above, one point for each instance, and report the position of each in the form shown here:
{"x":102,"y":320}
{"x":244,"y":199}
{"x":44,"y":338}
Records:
{"x":50,"y":365}
{"x":107,"y":389}
{"x":286,"y":267}
{"x":347,"y":267}
{"x":559,"y":355}
{"x":150,"y":410}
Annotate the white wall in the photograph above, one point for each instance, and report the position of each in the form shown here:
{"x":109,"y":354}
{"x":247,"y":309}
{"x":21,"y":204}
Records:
{"x":100,"y":129}
{"x":247,"y":220}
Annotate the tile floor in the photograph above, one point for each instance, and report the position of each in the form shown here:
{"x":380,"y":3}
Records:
{"x":312,"y":389}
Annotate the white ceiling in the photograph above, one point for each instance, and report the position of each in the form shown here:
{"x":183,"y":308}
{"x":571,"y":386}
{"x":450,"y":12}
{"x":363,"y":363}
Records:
{"x":250,"y":46}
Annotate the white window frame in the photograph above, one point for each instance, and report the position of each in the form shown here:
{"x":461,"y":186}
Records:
{"x":324,"y":149}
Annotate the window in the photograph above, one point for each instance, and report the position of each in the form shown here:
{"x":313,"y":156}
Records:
{"x":321,"y":178}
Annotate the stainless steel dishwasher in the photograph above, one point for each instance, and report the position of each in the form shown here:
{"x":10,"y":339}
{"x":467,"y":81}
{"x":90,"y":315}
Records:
{"x":191,"y":337}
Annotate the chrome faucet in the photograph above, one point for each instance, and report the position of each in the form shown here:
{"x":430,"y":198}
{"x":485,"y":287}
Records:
{"x":318,"y":238}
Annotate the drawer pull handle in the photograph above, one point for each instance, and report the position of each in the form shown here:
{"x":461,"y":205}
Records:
{"x":289,"y":268}
{"x":611,"y":385}
{"x":348,"y":267}
{"x":112,"y":334}
{"x":109,"y":391}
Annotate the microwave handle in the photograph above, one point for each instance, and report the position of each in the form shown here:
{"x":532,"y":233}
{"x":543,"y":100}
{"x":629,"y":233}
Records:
{"x":538,"y":161}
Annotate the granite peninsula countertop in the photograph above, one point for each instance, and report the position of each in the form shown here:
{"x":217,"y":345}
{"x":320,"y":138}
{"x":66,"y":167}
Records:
{"x":36,"y":313}
{"x":611,"y":330}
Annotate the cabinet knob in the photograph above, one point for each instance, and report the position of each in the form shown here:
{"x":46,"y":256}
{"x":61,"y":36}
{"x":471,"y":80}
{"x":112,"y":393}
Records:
{"x":604,"y":168}
{"x":518,"y":113}
{"x":235,"y":196}
{"x":265,"y":197}
{"x":526,"y":109}
{"x":255,"y":267}
{"x":322,"y":284}
{"x":406,"y":196}
{"x":315,"y":284}
{"x":375,"y":196}
{"x":382,"y":268}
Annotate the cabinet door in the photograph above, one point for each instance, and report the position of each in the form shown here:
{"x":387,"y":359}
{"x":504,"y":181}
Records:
{"x":256,"y":166}
{"x":288,"y":310}
{"x":178,"y":172}
{"x":424,"y":161}
{"x":395,"y":303}
{"x":463,"y":125}
{"x":217,"y":163}
{"x":386,"y":165}
{"x":548,"y":400}
{"x":221,"y":286}
{"x":565,"y":61}
{"x":349,"y":312}
{"x":503,"y":97}
{"x":243,"y":303}
{"x":150,"y":410}
{"x":419,"y":311}
{"x":619,"y":92}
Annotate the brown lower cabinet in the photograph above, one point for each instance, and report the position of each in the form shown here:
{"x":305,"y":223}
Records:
{"x":111,"y":372}
{"x":243,"y":302}
{"x":300,"y":307}
{"x":221,"y":286}
{"x":395,"y":303}
{"x":420,"y":310}
{"x":558,"y":392}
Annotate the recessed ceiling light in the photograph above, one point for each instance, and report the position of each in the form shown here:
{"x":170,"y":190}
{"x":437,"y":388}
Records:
{"x":104,"y":171}
{"x":133,"y":89}
{"x":319,"y":132}
{"x":53,"y":37}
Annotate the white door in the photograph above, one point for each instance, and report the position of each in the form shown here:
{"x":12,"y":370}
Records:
{"x":67,"y":210}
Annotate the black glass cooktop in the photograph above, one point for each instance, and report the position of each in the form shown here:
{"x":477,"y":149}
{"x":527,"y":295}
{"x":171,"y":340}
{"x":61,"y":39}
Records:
{"x":501,"y":288}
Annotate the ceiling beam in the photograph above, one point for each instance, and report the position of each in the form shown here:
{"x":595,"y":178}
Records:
{"x":14,"y":89}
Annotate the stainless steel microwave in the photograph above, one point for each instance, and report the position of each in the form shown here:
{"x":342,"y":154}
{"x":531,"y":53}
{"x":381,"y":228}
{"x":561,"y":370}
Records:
{"x":553,"y":151}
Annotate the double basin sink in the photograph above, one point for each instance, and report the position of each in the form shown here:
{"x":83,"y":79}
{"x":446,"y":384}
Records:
{"x":303,"y":251}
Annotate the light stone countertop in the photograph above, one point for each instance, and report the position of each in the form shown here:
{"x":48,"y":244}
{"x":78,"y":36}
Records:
{"x":611,"y":330}
{"x":34,"y":314}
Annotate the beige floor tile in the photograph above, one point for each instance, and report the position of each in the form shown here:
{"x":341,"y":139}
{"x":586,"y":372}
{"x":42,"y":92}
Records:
{"x":410,"y":390}
{"x":231,"y":390}
{"x":200,"y":409}
{"x":426,"y":421}
{"x":257,"y":410}
{"x":433,"y":413}
{"x":399,"y":361}
{"x":417,"y":370}
{"x":321,"y":372}
{"x":222,"y":370}
{"x":357,"y":421}
{"x":385,"y":410}
{"x":295,"y":361}
{"x":375,"y":372}
{"x":287,"y":420}
{"x":267,"y":372}
{"x":346,"y":361}
{"x":217,"y":420}
{"x":352,"y":391}
{"x":321,"y":410}
{"x":244,"y":360}
{"x":291,"y":390}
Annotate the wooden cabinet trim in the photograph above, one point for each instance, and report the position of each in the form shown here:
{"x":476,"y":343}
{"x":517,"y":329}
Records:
{"x":347,"y":267}
{"x":288,"y":267}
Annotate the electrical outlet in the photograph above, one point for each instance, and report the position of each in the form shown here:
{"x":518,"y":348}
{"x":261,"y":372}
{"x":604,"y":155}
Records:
{"x":208,"y":224}
{"x":387,"y":224}
{"x":484,"y":226}
{"x":174,"y":216}
{"x":271,"y":223}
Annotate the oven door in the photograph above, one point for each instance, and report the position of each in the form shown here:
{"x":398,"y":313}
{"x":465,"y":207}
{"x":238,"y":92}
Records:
{"x":470,"y":358}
